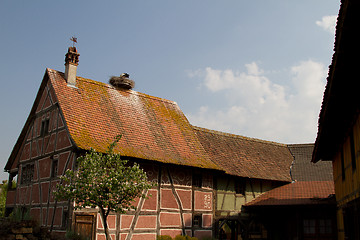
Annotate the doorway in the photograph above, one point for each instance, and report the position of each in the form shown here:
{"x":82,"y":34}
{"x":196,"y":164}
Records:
{"x":229,"y":230}
{"x":85,"y":225}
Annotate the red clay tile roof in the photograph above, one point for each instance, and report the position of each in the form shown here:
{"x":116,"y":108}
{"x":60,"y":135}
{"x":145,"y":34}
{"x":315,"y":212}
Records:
{"x":152,"y":128}
{"x":156,"y":129}
{"x":247,"y":157}
{"x":297,"y":193}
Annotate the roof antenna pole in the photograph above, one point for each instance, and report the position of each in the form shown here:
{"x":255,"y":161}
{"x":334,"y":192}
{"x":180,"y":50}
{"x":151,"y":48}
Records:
{"x":74,"y":40}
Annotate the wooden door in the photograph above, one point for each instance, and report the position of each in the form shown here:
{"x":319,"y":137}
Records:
{"x":84,"y":226}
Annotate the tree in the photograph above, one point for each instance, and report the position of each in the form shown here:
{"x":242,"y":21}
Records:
{"x":3,"y":193}
{"x":104,"y":181}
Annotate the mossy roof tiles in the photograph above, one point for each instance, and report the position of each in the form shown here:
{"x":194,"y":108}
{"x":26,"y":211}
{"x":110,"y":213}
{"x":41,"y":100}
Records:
{"x":247,"y":157}
{"x":156,"y":129}
{"x":152,"y":128}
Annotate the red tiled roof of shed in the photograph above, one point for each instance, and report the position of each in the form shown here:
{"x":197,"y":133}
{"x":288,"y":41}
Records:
{"x":297,"y":193}
{"x":152,"y":128}
{"x":247,"y":157}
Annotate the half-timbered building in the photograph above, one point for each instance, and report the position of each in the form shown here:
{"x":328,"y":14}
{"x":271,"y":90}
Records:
{"x":203,"y":177}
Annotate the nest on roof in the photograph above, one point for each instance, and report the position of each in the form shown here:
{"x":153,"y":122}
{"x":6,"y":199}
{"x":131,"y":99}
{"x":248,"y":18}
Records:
{"x":122,"y":82}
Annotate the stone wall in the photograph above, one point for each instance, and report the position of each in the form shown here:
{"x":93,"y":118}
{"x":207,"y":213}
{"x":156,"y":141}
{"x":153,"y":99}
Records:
{"x":23,"y":230}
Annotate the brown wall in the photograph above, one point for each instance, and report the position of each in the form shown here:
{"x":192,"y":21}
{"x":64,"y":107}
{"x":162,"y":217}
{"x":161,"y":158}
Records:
{"x":346,"y":176}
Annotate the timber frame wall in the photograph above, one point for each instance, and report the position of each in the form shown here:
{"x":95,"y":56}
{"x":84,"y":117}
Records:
{"x":174,"y":207}
{"x":45,"y":153}
{"x":178,"y":205}
{"x":186,"y":200}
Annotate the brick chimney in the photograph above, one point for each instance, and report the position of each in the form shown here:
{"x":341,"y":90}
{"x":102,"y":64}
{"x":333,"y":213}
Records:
{"x":71,"y":63}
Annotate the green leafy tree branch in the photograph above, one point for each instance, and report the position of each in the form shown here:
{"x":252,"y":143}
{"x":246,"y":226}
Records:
{"x":104,"y":181}
{"x":3,"y":193}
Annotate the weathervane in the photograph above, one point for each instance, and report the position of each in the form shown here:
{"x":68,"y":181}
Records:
{"x":74,"y":40}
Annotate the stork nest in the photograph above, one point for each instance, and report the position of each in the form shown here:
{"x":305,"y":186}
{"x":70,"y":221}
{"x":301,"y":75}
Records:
{"x":122,"y":82}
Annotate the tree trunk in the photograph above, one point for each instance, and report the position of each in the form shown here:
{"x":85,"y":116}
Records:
{"x":104,"y":220}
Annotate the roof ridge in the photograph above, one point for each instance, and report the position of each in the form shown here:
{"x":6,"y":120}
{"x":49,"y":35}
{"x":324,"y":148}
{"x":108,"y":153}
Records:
{"x":102,"y":84}
{"x":300,"y":144}
{"x":237,"y":136}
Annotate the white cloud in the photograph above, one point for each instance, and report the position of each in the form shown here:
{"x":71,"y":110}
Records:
{"x":255,"y":106}
{"x":251,"y":85}
{"x":308,"y":79}
{"x":223,"y":120}
{"x":328,"y":23}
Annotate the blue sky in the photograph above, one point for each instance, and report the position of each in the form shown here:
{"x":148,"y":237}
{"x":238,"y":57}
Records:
{"x":253,"y":68}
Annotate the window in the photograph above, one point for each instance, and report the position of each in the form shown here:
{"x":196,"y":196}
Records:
{"x":309,"y":226}
{"x":342,"y":164}
{"x":44,"y":127}
{"x":54,"y":167}
{"x":240,"y":187}
{"x":12,"y":181}
{"x":27,"y":173}
{"x":352,"y":148}
{"x":197,"y":180}
{"x":197,"y":221}
{"x":320,"y":227}
{"x":325,"y":226}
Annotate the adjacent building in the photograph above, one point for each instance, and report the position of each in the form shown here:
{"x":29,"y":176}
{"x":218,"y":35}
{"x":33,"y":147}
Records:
{"x":338,"y":138}
{"x":304,"y":209}
{"x":204,"y":177}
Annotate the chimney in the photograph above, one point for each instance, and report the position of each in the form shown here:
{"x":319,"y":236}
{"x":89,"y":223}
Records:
{"x":71,"y":63}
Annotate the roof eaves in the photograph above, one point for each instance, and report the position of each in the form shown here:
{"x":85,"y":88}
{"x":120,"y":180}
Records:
{"x":331,"y":133}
